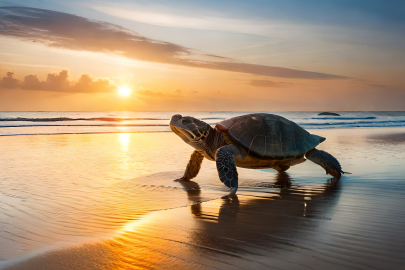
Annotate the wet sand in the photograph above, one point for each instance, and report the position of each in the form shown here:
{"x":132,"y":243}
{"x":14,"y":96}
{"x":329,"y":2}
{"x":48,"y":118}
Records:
{"x":108,"y":201}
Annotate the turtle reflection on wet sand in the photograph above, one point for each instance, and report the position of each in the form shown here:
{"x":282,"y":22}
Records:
{"x":253,"y":141}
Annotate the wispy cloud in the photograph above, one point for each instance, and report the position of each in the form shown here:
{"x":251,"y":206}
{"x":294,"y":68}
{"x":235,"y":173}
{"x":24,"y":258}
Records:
{"x":355,"y":22}
{"x":62,"y":30}
{"x":58,"y":82}
{"x":267,"y":83}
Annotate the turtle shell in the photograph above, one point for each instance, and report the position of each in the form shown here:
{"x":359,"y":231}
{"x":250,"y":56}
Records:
{"x":269,"y":136}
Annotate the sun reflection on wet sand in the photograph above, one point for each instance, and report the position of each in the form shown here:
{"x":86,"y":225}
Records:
{"x":125,"y":140}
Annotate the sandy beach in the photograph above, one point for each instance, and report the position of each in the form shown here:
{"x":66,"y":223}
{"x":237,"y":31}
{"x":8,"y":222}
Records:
{"x":108,"y":201}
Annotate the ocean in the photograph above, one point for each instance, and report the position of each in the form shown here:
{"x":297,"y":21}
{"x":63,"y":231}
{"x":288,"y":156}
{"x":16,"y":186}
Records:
{"x":48,"y":122}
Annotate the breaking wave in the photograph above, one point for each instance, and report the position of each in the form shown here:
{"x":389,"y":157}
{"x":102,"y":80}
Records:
{"x":30,"y":123}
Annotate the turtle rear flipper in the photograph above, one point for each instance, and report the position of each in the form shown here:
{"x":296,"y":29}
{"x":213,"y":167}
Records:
{"x":226,"y":167}
{"x":193,"y":166}
{"x":326,"y":161}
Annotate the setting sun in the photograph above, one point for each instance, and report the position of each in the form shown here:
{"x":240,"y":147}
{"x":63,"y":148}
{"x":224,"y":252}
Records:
{"x":124,"y":91}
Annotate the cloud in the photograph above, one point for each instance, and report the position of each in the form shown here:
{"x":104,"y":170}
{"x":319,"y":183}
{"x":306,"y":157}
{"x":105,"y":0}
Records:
{"x":62,"y":30}
{"x":367,"y":22}
{"x":58,"y":83}
{"x":267,"y":83}
{"x":9,"y":82}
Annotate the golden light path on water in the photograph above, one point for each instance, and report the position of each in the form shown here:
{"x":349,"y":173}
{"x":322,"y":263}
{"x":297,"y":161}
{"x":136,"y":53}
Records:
{"x":108,"y":201}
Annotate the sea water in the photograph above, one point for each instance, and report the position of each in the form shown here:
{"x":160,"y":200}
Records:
{"x":30,"y":123}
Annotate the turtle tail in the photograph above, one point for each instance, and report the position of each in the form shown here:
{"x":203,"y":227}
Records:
{"x":326,"y":161}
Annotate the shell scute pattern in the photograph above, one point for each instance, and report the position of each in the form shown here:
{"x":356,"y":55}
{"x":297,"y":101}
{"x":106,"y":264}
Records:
{"x":247,"y":139}
{"x":269,"y":146}
{"x":287,"y":147}
{"x":255,"y":125}
{"x":301,"y":147}
{"x":278,"y":153}
{"x":286,"y":129}
{"x":259,"y":144}
{"x":268,"y":136}
{"x":270,"y":126}
{"x":238,"y":129}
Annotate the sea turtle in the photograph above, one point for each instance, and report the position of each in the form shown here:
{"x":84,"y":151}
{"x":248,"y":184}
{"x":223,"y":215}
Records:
{"x":253,"y":141}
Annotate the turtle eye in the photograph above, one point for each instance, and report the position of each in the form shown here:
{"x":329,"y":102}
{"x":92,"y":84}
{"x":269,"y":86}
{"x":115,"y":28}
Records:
{"x":186,"y":121}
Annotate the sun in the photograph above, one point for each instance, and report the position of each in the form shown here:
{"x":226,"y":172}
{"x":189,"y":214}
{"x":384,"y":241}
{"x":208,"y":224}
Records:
{"x":124,"y":91}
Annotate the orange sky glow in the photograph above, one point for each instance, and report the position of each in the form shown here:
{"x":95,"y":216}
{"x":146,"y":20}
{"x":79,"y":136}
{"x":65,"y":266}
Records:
{"x":59,"y":61}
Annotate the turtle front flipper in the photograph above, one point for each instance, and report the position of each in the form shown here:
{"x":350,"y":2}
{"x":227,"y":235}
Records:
{"x":193,"y":166}
{"x":326,"y":161}
{"x":226,"y":167}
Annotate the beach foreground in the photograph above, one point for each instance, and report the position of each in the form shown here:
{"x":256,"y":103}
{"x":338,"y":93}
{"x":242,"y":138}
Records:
{"x":108,"y":201}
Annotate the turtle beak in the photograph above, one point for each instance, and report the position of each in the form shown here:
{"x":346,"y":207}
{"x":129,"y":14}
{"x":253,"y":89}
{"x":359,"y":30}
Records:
{"x":175,"y":118}
{"x":176,"y":121}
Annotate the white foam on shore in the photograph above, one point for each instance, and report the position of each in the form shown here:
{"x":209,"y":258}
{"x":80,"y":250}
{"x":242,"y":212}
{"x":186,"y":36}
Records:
{"x":34,"y":123}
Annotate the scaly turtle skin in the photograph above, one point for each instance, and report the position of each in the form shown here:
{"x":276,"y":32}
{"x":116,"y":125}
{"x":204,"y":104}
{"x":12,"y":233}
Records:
{"x":254,"y":141}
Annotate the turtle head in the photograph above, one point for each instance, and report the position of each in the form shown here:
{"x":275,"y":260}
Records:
{"x":193,"y":131}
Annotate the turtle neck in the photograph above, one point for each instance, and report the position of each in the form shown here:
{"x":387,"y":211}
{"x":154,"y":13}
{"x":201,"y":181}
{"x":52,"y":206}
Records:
{"x":212,"y":143}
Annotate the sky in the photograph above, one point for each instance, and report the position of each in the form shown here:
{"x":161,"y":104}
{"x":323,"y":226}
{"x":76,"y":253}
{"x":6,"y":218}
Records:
{"x":272,"y":55}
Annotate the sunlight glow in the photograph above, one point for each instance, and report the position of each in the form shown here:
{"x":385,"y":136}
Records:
{"x":124,"y":140}
{"x":124,"y":91}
